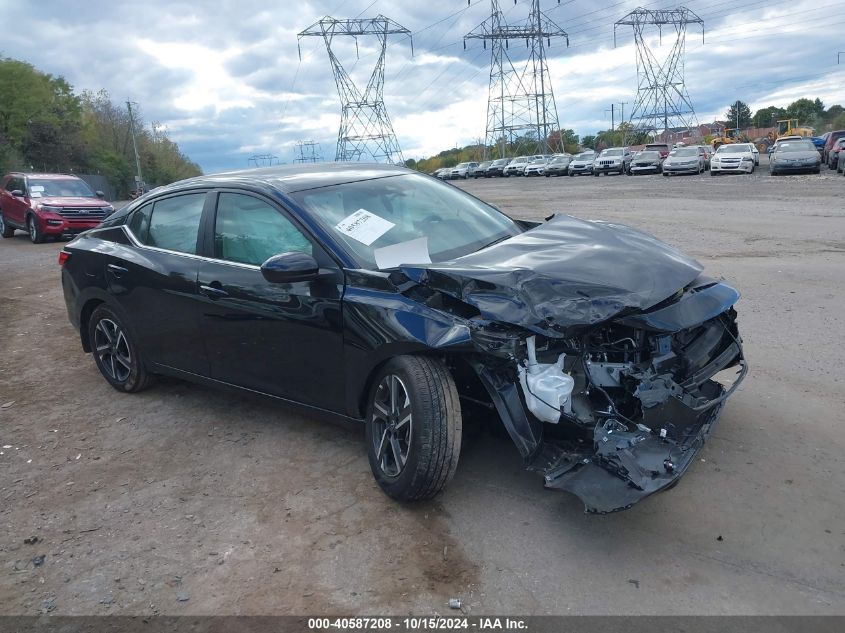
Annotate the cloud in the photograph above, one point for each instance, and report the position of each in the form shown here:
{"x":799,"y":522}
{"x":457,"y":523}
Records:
{"x":226,"y":79}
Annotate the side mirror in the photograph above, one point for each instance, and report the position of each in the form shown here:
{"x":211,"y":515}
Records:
{"x":290,"y":267}
{"x":17,"y":193}
{"x":101,"y":195}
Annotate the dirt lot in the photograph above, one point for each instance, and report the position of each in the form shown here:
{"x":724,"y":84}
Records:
{"x":186,"y":500}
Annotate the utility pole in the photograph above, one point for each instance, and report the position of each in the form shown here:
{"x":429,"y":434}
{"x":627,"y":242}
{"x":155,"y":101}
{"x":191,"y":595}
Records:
{"x":839,"y":55}
{"x":612,"y":113}
{"x":139,"y":180}
{"x":622,"y":105}
{"x":737,"y":116}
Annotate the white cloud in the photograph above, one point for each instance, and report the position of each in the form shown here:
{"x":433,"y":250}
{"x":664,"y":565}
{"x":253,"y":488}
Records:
{"x":220,"y":77}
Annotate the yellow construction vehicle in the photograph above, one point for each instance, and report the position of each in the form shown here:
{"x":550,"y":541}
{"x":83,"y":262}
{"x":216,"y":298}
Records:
{"x":790,"y":127}
{"x":730,"y":135}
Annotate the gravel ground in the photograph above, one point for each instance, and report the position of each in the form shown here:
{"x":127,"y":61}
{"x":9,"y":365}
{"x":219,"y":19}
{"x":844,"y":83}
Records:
{"x":188,"y":500}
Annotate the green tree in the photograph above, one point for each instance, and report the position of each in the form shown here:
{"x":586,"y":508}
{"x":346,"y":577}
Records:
{"x":589,"y":141}
{"x":738,"y":115}
{"x":767,"y":117}
{"x":805,"y":110}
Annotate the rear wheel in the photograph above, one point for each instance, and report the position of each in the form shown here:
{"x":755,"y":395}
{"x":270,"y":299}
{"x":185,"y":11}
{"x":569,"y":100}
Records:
{"x":413,"y":427}
{"x":115,"y":353}
{"x":36,"y":235}
{"x":5,"y":229}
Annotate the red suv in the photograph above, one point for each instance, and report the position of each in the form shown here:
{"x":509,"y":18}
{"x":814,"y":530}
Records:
{"x":832,"y":137}
{"x":49,"y":204}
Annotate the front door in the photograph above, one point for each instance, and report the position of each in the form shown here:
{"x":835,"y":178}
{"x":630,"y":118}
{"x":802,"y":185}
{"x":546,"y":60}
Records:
{"x":281,"y":339}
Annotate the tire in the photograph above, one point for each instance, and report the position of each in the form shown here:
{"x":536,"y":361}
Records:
{"x":431,"y":436}
{"x":712,"y":173}
{"x":121,"y":364}
{"x":571,"y":175}
{"x":36,"y":235}
{"x":5,"y":229}
{"x":752,"y":170}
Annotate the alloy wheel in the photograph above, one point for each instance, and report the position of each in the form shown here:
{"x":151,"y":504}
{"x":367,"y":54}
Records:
{"x":393,"y":425}
{"x":112,"y":350}
{"x":2,"y":224}
{"x":33,"y":231}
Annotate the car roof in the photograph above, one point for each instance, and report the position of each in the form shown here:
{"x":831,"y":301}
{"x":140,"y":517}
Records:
{"x":44,"y":176}
{"x":292,"y":178}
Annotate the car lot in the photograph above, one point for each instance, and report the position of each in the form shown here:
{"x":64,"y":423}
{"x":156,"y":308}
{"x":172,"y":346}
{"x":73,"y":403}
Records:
{"x":182,"y":499}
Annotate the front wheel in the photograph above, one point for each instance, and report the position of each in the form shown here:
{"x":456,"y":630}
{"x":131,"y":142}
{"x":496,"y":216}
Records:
{"x":5,"y":229}
{"x":413,"y":427}
{"x":36,"y":235}
{"x":115,"y":352}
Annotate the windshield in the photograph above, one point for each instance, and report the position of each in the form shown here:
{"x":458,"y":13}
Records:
{"x":585,"y":156}
{"x":421,"y":218}
{"x":733,"y":149}
{"x":686,"y":151}
{"x":59,"y":187}
{"x":795,"y":147}
{"x":560,"y":159}
{"x":612,"y":152}
{"x":648,"y":155}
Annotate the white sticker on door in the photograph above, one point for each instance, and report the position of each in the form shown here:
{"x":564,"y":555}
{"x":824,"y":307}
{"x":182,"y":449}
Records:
{"x":364,"y":227}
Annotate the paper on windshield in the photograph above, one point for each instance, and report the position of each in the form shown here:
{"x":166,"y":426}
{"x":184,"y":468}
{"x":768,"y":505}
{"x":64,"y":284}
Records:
{"x":38,"y":188}
{"x":410,"y":252}
{"x":363,"y":226}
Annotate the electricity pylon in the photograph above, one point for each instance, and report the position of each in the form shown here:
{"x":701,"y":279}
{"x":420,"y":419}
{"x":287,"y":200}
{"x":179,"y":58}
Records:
{"x":520,"y":99}
{"x":662,"y":100}
{"x":308,"y":152}
{"x":365,"y":128}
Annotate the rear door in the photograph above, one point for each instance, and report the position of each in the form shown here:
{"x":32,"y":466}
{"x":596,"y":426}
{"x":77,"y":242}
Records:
{"x":155,"y":280}
{"x":281,"y":339}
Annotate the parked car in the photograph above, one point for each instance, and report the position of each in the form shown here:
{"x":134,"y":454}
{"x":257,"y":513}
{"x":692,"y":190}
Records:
{"x":646,"y":162}
{"x":582,"y":163}
{"x":832,"y":137}
{"x":684,"y":160}
{"x":795,"y":156}
{"x":706,"y":153}
{"x":516,"y":167}
{"x":833,"y":153}
{"x":537,"y":166}
{"x":663,"y":148}
{"x":480,"y":170}
{"x":462,"y":170}
{"x":613,"y":159}
{"x":497,"y":167}
{"x":274,"y":282}
{"x":442,"y":173}
{"x":49,"y":205}
{"x":558,"y":165}
{"x":732,"y":158}
{"x":840,"y":166}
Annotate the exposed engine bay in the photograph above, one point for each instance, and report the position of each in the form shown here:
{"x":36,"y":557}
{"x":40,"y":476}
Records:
{"x":618,"y":412}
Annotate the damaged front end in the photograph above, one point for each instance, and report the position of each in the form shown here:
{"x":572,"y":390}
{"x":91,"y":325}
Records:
{"x":599,"y":346}
{"x":618,"y":412}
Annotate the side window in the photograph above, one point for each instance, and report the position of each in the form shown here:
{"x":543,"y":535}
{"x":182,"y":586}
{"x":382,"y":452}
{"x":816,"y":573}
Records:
{"x":174,"y":223}
{"x":250,"y":231}
{"x":139,"y":223}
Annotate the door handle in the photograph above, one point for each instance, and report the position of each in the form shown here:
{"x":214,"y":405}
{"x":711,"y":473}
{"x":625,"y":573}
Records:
{"x":117,"y":271}
{"x":213,"y":292}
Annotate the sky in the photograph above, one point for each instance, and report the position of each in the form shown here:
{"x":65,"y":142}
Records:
{"x":226,"y":81}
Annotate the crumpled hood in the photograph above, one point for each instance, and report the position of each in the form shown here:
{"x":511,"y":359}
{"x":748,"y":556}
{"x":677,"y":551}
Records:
{"x":562,"y":274}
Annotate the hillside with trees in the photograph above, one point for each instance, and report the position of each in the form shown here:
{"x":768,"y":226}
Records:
{"x":46,"y":126}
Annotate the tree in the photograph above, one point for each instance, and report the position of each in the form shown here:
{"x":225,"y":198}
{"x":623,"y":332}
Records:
{"x":804,"y":110}
{"x":768,"y":117}
{"x":589,"y":141}
{"x":738,"y":115}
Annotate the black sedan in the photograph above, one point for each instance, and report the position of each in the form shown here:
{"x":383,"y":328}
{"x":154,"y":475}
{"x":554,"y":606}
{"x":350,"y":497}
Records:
{"x":377,"y":294}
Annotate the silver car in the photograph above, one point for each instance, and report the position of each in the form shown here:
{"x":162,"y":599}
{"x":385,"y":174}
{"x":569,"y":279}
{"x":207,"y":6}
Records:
{"x":462,"y":170}
{"x":517,"y":166}
{"x":684,"y":160}
{"x":795,"y":156}
{"x":582,"y":164}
